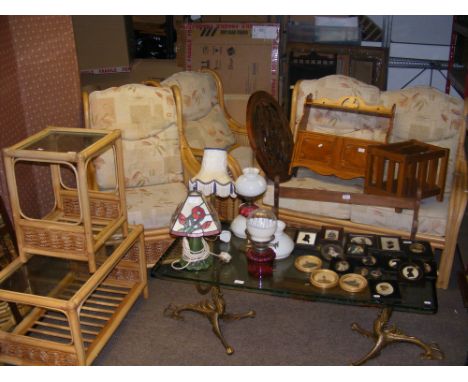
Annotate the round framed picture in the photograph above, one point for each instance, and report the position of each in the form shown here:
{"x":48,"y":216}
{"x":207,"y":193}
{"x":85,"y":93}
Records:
{"x":307,"y":263}
{"x":369,"y":260}
{"x":324,"y":278}
{"x":331,"y":251}
{"x":384,"y":288}
{"x":354,"y":249}
{"x":341,"y":266}
{"x":353,"y":283}
{"x":411,"y":272}
{"x":417,"y":248}
{"x":394,"y":263}
{"x":365,"y":240}
{"x":375,"y":273}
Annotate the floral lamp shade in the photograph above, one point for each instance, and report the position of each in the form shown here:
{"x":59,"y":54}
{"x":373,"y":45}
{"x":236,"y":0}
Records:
{"x":195,"y":218}
{"x":213,"y":178}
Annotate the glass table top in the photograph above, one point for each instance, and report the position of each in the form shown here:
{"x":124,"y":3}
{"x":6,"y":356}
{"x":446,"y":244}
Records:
{"x":41,"y":275}
{"x":286,"y":280}
{"x":64,"y":141}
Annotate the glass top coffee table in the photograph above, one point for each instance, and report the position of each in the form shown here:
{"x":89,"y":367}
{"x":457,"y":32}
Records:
{"x":288,"y":280}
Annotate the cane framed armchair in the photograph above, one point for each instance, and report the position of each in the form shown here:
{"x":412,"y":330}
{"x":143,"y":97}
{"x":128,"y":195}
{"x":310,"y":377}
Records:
{"x":157,"y":158}
{"x":208,"y":123}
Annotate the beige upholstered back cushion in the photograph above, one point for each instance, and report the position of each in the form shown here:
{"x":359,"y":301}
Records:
{"x":335,"y":87}
{"x":428,"y":115}
{"x":204,"y":122}
{"x":147,"y":118}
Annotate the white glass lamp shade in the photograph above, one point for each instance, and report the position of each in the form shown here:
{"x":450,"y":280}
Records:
{"x":261,"y":225}
{"x":195,"y":218}
{"x":251,"y":184}
{"x":213,"y":177}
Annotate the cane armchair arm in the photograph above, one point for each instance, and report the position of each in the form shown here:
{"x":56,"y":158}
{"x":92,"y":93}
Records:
{"x":239,"y":130}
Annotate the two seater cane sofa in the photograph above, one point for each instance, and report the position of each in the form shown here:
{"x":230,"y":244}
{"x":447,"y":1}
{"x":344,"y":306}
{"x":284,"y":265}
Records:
{"x":422,"y":113}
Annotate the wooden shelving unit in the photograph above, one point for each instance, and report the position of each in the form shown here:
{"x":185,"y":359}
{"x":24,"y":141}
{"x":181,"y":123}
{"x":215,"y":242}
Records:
{"x":458,"y":58}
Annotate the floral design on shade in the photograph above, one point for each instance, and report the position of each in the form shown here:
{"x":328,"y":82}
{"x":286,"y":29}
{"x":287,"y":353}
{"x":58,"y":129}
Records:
{"x":194,"y":220}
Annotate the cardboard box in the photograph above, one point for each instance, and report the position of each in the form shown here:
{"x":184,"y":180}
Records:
{"x":245,"y":55}
{"x":103,"y":43}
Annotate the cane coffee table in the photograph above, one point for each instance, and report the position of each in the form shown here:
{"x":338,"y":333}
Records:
{"x":71,"y":313}
{"x":288,"y":281}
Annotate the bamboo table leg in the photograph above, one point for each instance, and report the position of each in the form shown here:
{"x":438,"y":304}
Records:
{"x":213,"y":310}
{"x":384,"y":335}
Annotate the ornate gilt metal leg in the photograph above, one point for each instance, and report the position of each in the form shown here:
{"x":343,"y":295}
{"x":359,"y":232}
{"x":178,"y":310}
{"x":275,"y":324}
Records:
{"x":384,"y":334}
{"x":213,"y":310}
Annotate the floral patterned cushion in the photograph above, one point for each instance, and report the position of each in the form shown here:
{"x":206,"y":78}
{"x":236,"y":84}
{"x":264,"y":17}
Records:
{"x":335,"y":87}
{"x":210,"y":131}
{"x":205,"y":123}
{"x":147,"y":118}
{"x":153,"y":206}
{"x":198,"y":90}
{"x":432,"y":217}
{"x":428,"y":115}
{"x":310,"y":180}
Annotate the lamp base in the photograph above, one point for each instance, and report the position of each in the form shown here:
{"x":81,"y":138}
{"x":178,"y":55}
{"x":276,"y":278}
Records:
{"x":195,"y":255}
{"x":199,"y":265}
{"x":260,"y":263}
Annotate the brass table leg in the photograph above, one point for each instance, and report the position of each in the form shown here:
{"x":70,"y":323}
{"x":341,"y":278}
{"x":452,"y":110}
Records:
{"x":213,"y":310}
{"x":384,"y":335}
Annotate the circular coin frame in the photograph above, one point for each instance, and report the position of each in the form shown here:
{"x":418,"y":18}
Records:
{"x":330,"y":276}
{"x":360,"y":280}
{"x":299,"y":263}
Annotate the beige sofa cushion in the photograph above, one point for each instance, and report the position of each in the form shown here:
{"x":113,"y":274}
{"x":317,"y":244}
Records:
{"x":153,"y":206}
{"x":147,"y":118}
{"x":340,"y":123}
{"x":205,"y":123}
{"x":210,"y":131}
{"x":428,"y":115}
{"x":432,"y":217}
{"x":309,"y":180}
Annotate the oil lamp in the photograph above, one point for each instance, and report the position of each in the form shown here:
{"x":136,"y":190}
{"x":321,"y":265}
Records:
{"x":261,"y":226}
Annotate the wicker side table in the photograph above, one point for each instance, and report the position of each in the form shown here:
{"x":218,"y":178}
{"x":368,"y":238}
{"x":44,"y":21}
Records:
{"x":71,"y":314}
{"x":82,"y":220}
{"x":399,"y":169}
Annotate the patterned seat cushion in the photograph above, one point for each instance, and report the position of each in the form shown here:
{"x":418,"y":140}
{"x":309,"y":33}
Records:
{"x":309,"y":180}
{"x":430,"y":116}
{"x":432,"y":217}
{"x":147,"y":118}
{"x":153,"y":206}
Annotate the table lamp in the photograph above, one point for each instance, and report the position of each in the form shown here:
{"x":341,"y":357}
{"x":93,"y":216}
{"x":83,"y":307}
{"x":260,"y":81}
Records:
{"x":261,"y":227}
{"x":194,"y":219}
{"x":250,"y":185}
{"x":213,"y":178}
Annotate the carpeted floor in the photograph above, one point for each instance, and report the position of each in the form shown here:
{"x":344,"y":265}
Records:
{"x":284,"y":332}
